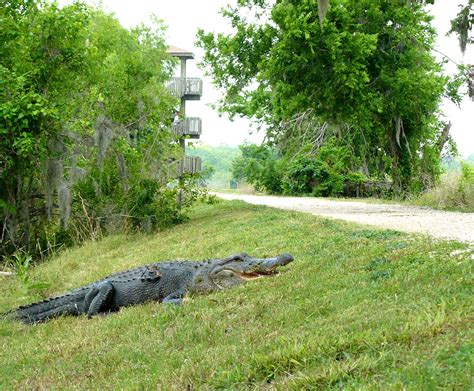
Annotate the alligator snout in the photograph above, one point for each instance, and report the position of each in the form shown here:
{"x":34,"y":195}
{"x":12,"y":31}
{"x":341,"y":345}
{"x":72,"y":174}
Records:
{"x":270,"y":264}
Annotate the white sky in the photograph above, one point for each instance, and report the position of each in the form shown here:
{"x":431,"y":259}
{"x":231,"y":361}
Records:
{"x":184,"y":17}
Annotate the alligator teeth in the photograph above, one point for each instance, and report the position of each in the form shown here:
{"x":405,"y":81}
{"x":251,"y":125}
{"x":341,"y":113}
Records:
{"x":254,"y":275}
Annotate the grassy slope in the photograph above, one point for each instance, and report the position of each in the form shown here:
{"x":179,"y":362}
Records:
{"x":359,"y":307}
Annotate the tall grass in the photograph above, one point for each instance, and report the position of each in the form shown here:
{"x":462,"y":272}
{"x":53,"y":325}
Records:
{"x":454,"y":192}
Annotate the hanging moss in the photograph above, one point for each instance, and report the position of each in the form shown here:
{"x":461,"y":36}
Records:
{"x":64,"y":197}
{"x":323,"y":6}
{"x":462,"y":25}
{"x":103,"y":137}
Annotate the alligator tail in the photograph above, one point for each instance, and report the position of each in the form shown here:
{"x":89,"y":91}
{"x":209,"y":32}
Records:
{"x":48,"y":308}
{"x":6,"y":314}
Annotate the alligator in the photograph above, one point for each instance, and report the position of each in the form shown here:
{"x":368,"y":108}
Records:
{"x":165,"y":282}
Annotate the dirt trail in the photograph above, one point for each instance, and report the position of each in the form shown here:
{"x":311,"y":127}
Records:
{"x":440,"y":224}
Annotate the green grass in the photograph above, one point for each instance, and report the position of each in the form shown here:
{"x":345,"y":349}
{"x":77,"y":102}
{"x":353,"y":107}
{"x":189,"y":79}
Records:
{"x":359,"y":308}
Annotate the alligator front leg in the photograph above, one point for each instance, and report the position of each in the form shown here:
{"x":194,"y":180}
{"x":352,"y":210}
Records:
{"x":175,"y":297}
{"x":98,"y":298}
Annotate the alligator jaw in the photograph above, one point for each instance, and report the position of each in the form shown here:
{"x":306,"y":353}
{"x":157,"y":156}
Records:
{"x":238,"y":269}
{"x":254,"y":275}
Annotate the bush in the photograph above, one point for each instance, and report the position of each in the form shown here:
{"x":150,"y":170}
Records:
{"x":466,"y":185}
{"x":310,"y":175}
{"x":260,"y":166}
{"x":325,"y":172}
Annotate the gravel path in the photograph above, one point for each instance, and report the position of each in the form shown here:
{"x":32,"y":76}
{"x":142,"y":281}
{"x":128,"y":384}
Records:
{"x":440,"y":224}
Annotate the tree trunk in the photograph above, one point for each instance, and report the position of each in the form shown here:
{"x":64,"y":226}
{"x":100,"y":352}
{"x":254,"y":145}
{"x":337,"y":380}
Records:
{"x":395,"y":153}
{"x":443,"y":138}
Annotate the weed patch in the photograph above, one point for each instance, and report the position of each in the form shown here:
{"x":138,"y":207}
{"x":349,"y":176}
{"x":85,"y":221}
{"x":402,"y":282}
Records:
{"x":377,"y":234}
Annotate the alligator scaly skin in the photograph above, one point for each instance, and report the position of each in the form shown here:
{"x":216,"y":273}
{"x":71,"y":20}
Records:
{"x":166,"y":282}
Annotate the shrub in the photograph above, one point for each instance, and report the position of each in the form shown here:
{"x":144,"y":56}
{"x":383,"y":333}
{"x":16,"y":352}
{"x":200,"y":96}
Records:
{"x":325,"y":172}
{"x":260,"y":166}
{"x":466,"y":184}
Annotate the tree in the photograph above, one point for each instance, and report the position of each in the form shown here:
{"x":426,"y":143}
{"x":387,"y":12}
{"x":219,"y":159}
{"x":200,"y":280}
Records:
{"x":260,"y":167}
{"x":367,"y":72}
{"x":463,"y":23}
{"x":85,"y":126}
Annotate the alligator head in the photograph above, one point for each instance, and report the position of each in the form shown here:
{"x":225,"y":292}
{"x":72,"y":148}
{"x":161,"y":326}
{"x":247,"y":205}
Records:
{"x":235,"y":270}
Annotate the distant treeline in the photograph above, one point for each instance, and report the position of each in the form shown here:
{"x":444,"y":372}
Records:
{"x":454,"y":164}
{"x":217,"y":163}
{"x":266,"y":171}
